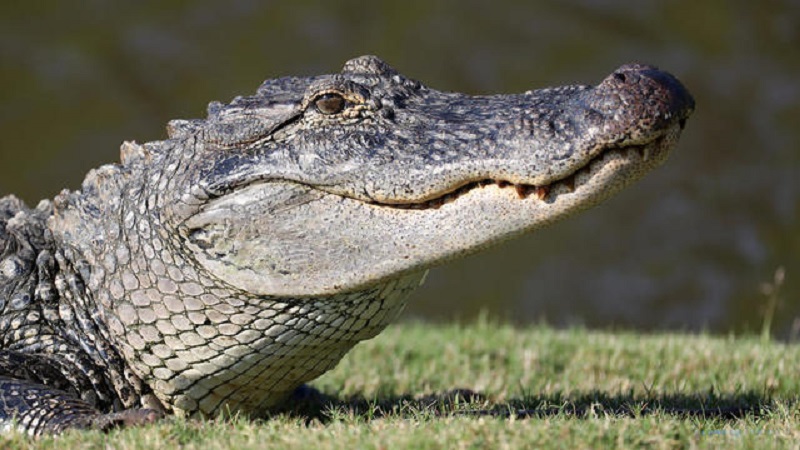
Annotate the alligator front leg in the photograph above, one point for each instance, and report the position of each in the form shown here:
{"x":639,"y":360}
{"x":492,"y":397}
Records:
{"x":37,"y":409}
{"x":37,"y":397}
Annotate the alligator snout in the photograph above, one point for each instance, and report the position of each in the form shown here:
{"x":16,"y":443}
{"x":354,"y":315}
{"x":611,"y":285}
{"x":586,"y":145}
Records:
{"x":648,"y":93}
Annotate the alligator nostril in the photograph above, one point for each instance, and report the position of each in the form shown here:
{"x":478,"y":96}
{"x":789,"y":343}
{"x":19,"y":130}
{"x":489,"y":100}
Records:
{"x":619,"y":76}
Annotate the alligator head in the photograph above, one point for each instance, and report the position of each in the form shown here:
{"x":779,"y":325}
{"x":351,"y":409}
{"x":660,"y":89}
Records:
{"x":248,"y":252}
{"x":321,"y":185}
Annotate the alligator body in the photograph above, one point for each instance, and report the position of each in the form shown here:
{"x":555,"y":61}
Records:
{"x":218,"y":270}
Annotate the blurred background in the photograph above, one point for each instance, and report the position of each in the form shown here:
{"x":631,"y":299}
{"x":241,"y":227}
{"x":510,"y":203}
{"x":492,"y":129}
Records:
{"x":711,"y":241}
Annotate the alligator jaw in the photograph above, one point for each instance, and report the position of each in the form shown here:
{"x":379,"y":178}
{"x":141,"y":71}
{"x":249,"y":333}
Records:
{"x":651,"y":154}
{"x":276,"y":233}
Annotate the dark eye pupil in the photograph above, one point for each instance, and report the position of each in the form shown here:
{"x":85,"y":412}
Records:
{"x":329,"y":103}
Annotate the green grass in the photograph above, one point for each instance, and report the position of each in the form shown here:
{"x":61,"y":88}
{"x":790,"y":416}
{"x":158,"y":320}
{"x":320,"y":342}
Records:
{"x":571,"y":388}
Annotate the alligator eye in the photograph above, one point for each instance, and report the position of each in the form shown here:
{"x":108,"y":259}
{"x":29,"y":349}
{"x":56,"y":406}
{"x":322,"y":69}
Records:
{"x":330,"y":103}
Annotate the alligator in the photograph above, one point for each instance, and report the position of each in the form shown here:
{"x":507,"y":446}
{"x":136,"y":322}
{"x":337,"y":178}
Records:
{"x":219,"y":270}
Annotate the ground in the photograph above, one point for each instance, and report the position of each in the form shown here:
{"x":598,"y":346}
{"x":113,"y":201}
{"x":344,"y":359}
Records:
{"x":569,"y":389}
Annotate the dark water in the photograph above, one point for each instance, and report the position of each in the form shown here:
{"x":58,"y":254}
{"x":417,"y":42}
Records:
{"x":688,"y":248}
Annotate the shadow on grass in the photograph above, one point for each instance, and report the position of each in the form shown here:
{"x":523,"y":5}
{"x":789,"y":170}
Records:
{"x":466,"y":403}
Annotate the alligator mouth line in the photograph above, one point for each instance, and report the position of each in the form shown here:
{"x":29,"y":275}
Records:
{"x":569,"y":183}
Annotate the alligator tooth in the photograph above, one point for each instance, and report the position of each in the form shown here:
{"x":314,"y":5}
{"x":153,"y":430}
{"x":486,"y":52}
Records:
{"x":645,"y":153}
{"x":569,"y":183}
{"x":522,"y":190}
{"x":542,"y":191}
{"x":582,"y":175}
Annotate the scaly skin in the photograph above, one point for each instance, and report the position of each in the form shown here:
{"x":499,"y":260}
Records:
{"x":218,"y":270}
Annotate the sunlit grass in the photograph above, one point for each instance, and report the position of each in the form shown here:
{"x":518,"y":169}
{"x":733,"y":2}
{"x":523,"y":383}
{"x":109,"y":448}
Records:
{"x":536,"y":387}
